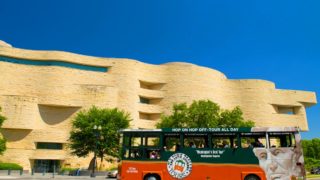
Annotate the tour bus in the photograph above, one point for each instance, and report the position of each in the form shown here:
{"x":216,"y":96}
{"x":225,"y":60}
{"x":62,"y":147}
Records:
{"x":211,"y":154}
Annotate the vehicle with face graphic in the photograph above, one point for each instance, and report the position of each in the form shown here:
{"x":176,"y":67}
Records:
{"x":211,"y":153}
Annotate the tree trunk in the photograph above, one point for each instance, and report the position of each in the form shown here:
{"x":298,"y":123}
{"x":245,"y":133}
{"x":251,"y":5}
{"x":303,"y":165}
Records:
{"x":101,"y":160}
{"x":91,"y":164}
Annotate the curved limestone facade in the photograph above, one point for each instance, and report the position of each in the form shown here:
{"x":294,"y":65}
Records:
{"x":41,"y":91}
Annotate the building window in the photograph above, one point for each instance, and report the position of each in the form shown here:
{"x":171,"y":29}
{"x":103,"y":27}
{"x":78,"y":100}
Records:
{"x":45,"y":145}
{"x":144,"y":100}
{"x":54,"y":63}
{"x":149,"y":116}
{"x":151,"y":85}
{"x":290,"y":110}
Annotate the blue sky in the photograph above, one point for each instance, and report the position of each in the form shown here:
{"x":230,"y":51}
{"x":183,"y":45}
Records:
{"x":272,"y":40}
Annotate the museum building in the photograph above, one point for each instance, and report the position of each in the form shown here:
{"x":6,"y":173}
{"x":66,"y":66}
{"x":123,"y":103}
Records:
{"x":41,"y":91}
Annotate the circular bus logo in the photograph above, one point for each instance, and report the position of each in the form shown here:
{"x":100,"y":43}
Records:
{"x":179,"y":165}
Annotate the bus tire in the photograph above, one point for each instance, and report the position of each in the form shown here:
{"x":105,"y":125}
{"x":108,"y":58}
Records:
{"x":252,"y":177}
{"x":152,"y":177}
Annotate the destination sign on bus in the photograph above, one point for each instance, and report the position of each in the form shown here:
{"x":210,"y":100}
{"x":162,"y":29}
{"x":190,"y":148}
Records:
{"x":205,"y":129}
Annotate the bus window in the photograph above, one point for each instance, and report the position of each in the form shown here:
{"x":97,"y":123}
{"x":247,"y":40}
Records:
{"x":126,"y":153}
{"x":152,"y":146}
{"x":292,"y":140}
{"x":135,"y":153}
{"x":154,"y":154}
{"x":126,"y":140}
{"x":153,"y":141}
{"x":250,"y":140}
{"x":136,"y":141}
{"x":221,"y":142}
{"x":224,"y":140}
{"x":171,"y":142}
{"x":281,"y":140}
{"x":195,"y":141}
{"x":247,"y":142}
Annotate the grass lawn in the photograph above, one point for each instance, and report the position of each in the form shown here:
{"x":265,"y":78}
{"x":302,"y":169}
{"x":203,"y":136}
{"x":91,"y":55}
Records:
{"x":313,"y":176}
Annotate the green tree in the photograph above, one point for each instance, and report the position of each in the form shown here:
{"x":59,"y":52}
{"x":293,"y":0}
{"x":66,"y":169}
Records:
{"x":105,"y":141}
{"x":2,"y":140}
{"x":311,"y":148}
{"x":203,"y":113}
{"x":311,"y":152}
{"x":316,"y":147}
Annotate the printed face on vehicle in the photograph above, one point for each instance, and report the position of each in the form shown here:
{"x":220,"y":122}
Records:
{"x":284,"y":158}
{"x":276,"y":162}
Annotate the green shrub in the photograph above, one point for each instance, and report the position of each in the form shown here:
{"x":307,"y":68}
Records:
{"x":67,"y":169}
{"x":12,"y":166}
{"x":311,"y":162}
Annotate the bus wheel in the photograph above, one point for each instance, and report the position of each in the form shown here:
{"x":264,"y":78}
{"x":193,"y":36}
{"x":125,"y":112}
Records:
{"x":152,"y":177}
{"x":251,"y":177}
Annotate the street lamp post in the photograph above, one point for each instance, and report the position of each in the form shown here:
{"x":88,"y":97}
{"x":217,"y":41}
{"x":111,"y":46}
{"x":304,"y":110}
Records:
{"x":97,"y":134}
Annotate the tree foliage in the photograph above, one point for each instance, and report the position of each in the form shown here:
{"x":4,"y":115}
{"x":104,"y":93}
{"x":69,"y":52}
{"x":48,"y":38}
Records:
{"x":85,"y":139}
{"x":311,"y":152}
{"x":311,"y":148}
{"x":2,"y":140}
{"x":203,"y":113}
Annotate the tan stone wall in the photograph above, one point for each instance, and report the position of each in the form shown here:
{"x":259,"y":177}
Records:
{"x":40,"y":101}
